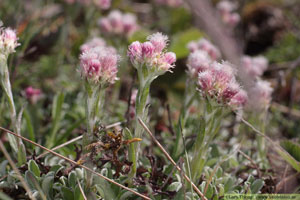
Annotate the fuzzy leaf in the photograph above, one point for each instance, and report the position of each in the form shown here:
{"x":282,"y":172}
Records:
{"x":67,"y":193}
{"x":47,"y":184}
{"x":34,"y":168}
{"x":175,"y":186}
{"x":256,"y":186}
{"x":72,"y":179}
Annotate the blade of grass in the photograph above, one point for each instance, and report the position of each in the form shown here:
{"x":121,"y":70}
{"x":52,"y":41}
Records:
{"x":75,"y":163}
{"x":171,"y":160}
{"x":11,"y":162}
{"x":56,"y":116}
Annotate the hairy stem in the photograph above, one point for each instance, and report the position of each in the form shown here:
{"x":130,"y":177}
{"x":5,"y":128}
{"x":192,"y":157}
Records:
{"x":16,"y":144}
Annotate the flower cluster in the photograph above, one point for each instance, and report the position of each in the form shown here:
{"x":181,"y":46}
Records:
{"x":96,"y":42}
{"x":102,"y":4}
{"x":226,"y":11}
{"x":8,"y":41}
{"x":170,"y":3}
{"x":205,"y":45}
{"x":99,"y":65}
{"x":218,"y":81}
{"x":152,"y":54}
{"x":254,"y":66}
{"x":118,"y":23}
{"x":32,"y":94}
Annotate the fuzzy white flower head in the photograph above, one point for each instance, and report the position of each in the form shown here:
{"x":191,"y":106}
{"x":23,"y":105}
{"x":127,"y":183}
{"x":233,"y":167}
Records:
{"x":8,"y":41}
{"x":158,"y":40}
{"x":92,"y":43}
{"x":99,"y":65}
{"x":198,"y":61}
{"x":260,"y":96}
{"x":152,"y":54}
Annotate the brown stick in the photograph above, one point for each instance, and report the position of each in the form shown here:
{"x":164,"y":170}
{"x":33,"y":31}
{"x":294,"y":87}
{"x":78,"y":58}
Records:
{"x":75,"y":163}
{"x":171,"y":160}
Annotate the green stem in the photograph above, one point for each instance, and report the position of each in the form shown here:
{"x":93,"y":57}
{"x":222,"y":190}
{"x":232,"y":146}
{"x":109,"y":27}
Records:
{"x":141,"y":112}
{"x":16,"y":144}
{"x":94,"y":99}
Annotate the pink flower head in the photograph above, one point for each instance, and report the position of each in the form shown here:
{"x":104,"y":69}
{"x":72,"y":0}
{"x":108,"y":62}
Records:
{"x":105,"y":25}
{"x":206,"y":81}
{"x":99,"y":65}
{"x":94,"y":42}
{"x":169,"y":58}
{"x":254,"y":66}
{"x":129,"y":24}
{"x":231,"y":90}
{"x":226,"y":11}
{"x":226,"y":6}
{"x":148,"y":50}
{"x":192,"y":46}
{"x":119,"y":23}
{"x":260,"y":95}
{"x":198,"y":61}
{"x":218,"y":81}
{"x":207,"y":46}
{"x":32,"y":94}
{"x":147,"y":54}
{"x":159,"y":41}
{"x":103,"y":4}
{"x":239,"y":99}
{"x":8,"y":40}
{"x":223,"y":73}
{"x":135,"y":52}
{"x":115,"y":18}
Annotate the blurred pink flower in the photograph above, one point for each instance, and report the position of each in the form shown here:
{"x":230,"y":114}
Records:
{"x":118,"y":23}
{"x":260,"y":96}
{"x":226,"y":11}
{"x":205,"y":45}
{"x":94,"y":42}
{"x":254,"y":66}
{"x":32,"y":94}
{"x":198,"y":61}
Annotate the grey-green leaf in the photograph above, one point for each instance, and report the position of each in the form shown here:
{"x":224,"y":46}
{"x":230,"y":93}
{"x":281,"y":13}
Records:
{"x":34,"y":168}
{"x":256,"y":186}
